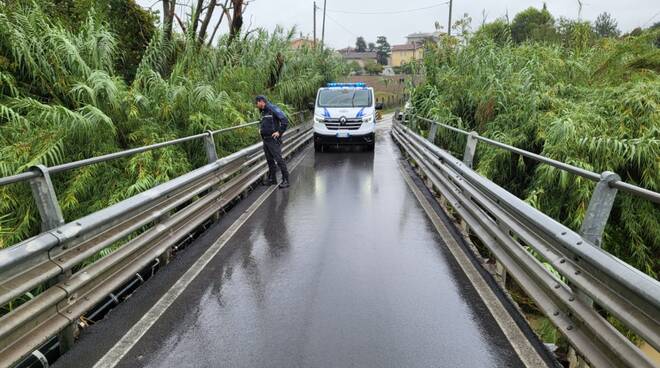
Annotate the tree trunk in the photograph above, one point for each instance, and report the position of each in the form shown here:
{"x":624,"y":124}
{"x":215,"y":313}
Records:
{"x":168,"y":18}
{"x":237,"y":19}
{"x":201,"y":36}
{"x":196,"y":14}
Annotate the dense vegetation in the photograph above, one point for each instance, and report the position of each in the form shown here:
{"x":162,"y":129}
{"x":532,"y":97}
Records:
{"x":560,"y":89}
{"x":81,"y":83}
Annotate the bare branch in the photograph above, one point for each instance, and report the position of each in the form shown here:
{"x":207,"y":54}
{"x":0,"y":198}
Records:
{"x":217,"y":25}
{"x":205,"y":23}
{"x":183,"y":27}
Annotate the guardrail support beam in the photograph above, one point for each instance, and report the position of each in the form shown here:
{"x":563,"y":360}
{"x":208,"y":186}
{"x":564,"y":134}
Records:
{"x":500,"y":272}
{"x":209,"y":147}
{"x":593,"y":226}
{"x":432,"y":132}
{"x":67,"y":337}
{"x":599,"y":209}
{"x":470,"y":148}
{"x":46,"y":199}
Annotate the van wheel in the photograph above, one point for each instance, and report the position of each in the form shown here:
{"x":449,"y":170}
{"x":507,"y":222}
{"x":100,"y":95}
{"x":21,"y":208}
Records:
{"x":318,"y":147}
{"x":370,"y":146}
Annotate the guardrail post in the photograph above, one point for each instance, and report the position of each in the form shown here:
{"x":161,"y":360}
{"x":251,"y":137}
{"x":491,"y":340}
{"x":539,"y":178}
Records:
{"x":599,"y":209}
{"x":470,"y":148}
{"x":592,"y":228}
{"x":600,"y":206}
{"x":46,"y":199}
{"x":166,"y":256}
{"x":432,"y":132}
{"x":51,"y":217}
{"x":209,"y":147}
{"x":500,"y":272}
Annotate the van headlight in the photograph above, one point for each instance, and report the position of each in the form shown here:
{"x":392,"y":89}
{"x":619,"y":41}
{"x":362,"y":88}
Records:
{"x":318,"y":119}
{"x":368,"y":119}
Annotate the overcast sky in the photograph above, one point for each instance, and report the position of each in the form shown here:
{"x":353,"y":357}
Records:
{"x":396,"y":19}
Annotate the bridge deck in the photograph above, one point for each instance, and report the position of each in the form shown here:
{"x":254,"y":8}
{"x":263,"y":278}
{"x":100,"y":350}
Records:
{"x":344,"y":269}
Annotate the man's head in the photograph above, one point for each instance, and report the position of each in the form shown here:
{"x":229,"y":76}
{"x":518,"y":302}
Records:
{"x":261,"y":102}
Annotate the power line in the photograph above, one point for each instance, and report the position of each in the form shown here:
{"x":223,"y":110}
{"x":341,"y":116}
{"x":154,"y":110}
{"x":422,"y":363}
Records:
{"x":388,"y":11}
{"x":648,"y":21}
{"x":341,"y":25}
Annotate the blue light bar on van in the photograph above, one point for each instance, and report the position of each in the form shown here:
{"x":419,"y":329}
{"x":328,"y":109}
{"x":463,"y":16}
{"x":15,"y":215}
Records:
{"x":356,"y":84}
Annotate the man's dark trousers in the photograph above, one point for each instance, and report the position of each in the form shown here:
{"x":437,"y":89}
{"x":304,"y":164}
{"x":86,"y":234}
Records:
{"x":273,"y":151}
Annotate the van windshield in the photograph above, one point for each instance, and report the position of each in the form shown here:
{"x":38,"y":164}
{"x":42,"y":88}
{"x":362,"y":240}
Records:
{"x":344,"y":97}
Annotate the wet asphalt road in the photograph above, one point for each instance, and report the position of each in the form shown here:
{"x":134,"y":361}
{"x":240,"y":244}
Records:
{"x":341,"y":270}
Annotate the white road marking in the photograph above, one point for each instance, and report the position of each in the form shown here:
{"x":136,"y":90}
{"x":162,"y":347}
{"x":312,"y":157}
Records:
{"x":526,"y":352}
{"x":131,"y":338}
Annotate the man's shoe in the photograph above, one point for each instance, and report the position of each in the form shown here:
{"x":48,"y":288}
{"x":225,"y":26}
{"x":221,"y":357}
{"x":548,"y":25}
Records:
{"x":268,"y":183}
{"x":284,"y":184}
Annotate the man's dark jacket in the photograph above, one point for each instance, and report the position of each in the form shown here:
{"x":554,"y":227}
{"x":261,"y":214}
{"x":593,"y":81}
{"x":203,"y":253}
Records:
{"x":272,"y":120}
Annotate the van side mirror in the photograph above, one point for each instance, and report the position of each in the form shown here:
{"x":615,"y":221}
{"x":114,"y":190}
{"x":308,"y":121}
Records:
{"x":379,"y":105}
{"x":311,"y":105}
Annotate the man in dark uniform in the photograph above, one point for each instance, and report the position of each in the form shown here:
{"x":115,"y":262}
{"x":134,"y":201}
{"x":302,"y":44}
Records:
{"x":273,"y":125}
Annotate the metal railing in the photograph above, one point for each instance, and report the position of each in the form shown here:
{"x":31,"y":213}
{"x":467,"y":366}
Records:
{"x":64,"y":259}
{"x":474,"y":136}
{"x":518,"y":235}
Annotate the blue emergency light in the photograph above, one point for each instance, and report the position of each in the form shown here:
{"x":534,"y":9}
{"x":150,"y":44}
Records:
{"x":356,"y":84}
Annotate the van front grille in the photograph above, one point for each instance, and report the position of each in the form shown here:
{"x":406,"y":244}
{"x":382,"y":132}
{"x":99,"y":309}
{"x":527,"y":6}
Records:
{"x":349,"y":124}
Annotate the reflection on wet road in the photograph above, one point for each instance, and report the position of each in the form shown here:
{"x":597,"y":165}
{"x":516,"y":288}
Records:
{"x":341,"y":270}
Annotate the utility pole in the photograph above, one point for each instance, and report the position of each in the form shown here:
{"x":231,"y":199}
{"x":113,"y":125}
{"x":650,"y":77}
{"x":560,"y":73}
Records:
{"x":323,"y":26}
{"x":315,"y":24}
{"x":449,"y":24}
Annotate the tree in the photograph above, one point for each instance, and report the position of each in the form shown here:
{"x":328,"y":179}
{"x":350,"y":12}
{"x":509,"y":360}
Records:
{"x":409,"y":68}
{"x":462,"y":27}
{"x":134,"y":27}
{"x":575,"y":34}
{"x":498,"y":31}
{"x":360,"y":44}
{"x":355,"y":67}
{"x":236,"y":19}
{"x":382,"y":50}
{"x":168,"y":18}
{"x":606,"y":26}
{"x":373,"y":68}
{"x":533,"y":25}
{"x":201,"y":13}
{"x":371,"y":47}
{"x":655,"y":26}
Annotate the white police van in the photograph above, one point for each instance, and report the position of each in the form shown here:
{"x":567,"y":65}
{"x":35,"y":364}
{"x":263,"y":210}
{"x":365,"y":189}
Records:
{"x":345,"y":113}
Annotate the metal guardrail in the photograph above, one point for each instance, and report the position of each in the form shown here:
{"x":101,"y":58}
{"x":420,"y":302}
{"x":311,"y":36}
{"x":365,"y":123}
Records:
{"x":62,"y":259}
{"x":518,"y":235}
{"x":115,"y":155}
{"x":612,"y":182}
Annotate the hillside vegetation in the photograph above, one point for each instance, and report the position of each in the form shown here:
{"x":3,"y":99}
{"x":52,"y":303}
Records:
{"x":68,"y":91}
{"x":562,"y":90}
